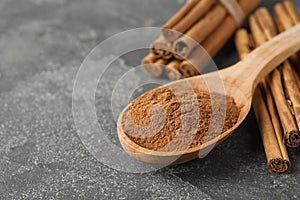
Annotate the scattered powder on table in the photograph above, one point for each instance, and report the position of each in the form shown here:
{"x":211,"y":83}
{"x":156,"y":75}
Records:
{"x":140,"y":108}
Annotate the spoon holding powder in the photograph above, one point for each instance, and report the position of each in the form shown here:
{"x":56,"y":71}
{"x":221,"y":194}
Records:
{"x":148,"y":127}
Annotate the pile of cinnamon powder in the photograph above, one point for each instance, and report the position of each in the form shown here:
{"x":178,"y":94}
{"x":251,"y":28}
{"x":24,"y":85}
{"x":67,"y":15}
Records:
{"x":140,"y":108}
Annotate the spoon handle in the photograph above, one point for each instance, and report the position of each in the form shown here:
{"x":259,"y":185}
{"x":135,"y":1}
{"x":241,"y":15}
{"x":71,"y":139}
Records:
{"x":258,"y":64}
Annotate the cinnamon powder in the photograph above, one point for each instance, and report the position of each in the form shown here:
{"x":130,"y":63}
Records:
{"x":140,"y":108}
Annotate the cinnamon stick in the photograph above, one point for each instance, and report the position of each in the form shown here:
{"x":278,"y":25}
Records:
{"x":220,"y":36}
{"x":172,"y":70}
{"x":283,"y":16}
{"x":185,"y":9}
{"x":150,"y":58}
{"x":279,"y":25}
{"x":195,"y":63}
{"x":268,"y":122}
{"x":276,"y":122}
{"x":215,"y":41}
{"x":297,"y":70}
{"x":243,"y":43}
{"x":257,"y":33}
{"x":152,"y":66}
{"x":200,"y":31}
{"x":290,"y":8}
{"x":266,"y":22}
{"x":252,"y":42}
{"x":161,"y":48}
{"x":287,"y":18}
{"x":178,"y":57}
{"x":193,"y":15}
{"x":292,"y":89}
{"x":291,"y":133}
{"x":263,"y":29}
{"x":277,"y":157}
{"x":167,"y":55}
{"x":187,"y":69}
{"x":290,"y":74}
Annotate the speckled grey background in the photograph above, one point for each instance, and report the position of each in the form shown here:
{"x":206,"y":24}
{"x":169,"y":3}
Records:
{"x":43,"y":43}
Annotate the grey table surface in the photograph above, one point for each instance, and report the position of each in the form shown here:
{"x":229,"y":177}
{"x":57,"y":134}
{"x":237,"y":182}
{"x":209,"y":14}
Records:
{"x":43,"y":43}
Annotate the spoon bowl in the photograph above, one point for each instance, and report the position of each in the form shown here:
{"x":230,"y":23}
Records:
{"x":238,"y":82}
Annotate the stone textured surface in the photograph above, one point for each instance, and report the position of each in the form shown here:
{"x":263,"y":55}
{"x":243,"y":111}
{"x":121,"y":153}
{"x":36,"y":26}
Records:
{"x":43,"y":43}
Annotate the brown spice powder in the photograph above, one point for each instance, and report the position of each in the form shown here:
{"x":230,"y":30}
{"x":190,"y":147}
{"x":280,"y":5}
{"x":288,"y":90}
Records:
{"x":140,"y":108}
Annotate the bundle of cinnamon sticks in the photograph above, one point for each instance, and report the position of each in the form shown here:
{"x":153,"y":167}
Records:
{"x":209,"y":23}
{"x":277,"y":99}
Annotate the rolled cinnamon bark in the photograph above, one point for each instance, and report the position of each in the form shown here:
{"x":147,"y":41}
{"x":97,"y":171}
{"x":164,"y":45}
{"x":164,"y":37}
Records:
{"x":290,"y":8}
{"x":291,"y":132}
{"x":150,"y":58}
{"x":277,"y":157}
{"x":296,"y":69}
{"x":292,"y":89}
{"x":242,"y":43}
{"x":187,"y":69}
{"x":178,"y":57}
{"x":152,"y":66}
{"x":185,"y":9}
{"x":161,"y":48}
{"x":167,"y":55}
{"x":291,"y":80}
{"x":258,"y":34}
{"x":220,"y":36}
{"x":158,"y":53}
{"x":263,"y":30}
{"x":284,"y":162}
{"x":266,"y":22}
{"x":172,"y":70}
{"x":196,"y":13}
{"x":279,"y":25}
{"x":200,"y":31}
{"x":215,"y":41}
{"x":287,"y":18}
{"x":267,"y":118}
{"x":283,"y":16}
{"x":195,"y":63}
{"x":252,"y":42}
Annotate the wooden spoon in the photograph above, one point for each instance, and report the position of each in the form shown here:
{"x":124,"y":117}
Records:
{"x":239,"y":82}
